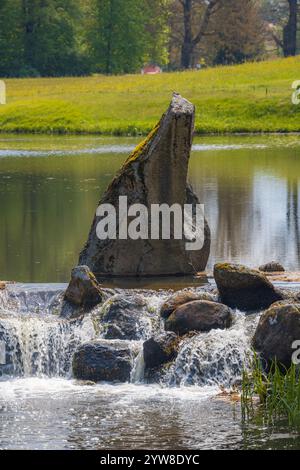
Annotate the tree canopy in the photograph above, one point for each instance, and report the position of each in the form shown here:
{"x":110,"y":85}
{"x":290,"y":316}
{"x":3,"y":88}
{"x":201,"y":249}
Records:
{"x":77,"y":37}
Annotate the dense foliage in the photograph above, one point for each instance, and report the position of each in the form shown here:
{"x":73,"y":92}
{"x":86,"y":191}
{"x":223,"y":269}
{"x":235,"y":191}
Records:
{"x":80,"y":37}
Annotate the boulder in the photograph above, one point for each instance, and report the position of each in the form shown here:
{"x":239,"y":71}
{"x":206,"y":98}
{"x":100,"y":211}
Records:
{"x":103,"y":361}
{"x":83,"y":289}
{"x":160,"y":349}
{"x":126,"y":317}
{"x":272,"y":267}
{"x":181,"y":298}
{"x":200,"y":315}
{"x":276,"y":332}
{"x":155,"y":173}
{"x":244,"y":288}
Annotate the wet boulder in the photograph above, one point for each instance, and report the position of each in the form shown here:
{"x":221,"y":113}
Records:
{"x":83,"y":289}
{"x":126,"y":317}
{"x":278,"y":329}
{"x":160,"y":349}
{"x":181,"y":298}
{"x":103,"y":361}
{"x":272,"y":267}
{"x":244,"y":288}
{"x":199,"y":315}
{"x":155,"y":173}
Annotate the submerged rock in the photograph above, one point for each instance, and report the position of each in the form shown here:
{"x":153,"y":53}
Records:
{"x":199,"y":315}
{"x":272,"y":267}
{"x":181,"y":298}
{"x":155,"y":173}
{"x":160,"y":349}
{"x":126,"y":317}
{"x":83,"y":289}
{"x":103,"y":361}
{"x":244,"y":288}
{"x":278,"y":329}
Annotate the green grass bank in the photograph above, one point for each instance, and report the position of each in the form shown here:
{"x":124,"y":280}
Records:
{"x":253,"y":97}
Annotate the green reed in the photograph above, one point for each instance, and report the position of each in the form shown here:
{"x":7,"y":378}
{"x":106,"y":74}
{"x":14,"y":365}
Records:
{"x":276,"y":393}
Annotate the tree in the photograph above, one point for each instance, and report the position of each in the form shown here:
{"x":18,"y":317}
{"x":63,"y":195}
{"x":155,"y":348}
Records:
{"x":50,"y":46}
{"x":237,"y":31}
{"x":158,"y":31}
{"x":11,"y":38}
{"x":281,"y":17}
{"x":290,"y":30}
{"x":123,"y":35}
{"x":191,"y":39}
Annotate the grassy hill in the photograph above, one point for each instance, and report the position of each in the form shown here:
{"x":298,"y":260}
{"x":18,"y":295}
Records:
{"x":254,"y":97}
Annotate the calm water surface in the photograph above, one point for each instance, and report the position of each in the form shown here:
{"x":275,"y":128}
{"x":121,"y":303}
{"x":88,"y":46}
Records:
{"x":50,"y":187}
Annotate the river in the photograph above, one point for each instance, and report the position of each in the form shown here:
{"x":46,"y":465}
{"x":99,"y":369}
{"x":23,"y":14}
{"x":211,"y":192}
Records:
{"x":49,"y":189}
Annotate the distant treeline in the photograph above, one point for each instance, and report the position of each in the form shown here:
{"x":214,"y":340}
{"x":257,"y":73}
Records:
{"x":80,"y":37}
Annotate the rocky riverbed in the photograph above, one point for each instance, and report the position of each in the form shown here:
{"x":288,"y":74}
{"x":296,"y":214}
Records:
{"x":198,"y":335}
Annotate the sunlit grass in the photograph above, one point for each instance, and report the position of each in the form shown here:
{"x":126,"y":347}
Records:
{"x":254,"y":97}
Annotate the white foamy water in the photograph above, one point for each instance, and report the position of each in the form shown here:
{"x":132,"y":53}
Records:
{"x":39,"y":343}
{"x":42,"y":346}
{"x":215,"y":358}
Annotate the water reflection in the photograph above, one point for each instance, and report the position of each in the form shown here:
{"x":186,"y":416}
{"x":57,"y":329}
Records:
{"x":249,"y":185}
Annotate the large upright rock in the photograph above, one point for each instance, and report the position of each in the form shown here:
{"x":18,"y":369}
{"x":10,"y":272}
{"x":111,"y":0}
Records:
{"x":155,"y":173}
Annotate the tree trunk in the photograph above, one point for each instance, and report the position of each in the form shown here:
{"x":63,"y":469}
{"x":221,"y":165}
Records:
{"x":187,"y":47}
{"x":28,"y":28}
{"x":110,"y":39}
{"x":290,"y":30}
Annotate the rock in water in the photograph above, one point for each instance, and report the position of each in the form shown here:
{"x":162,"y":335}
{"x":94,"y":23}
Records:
{"x":278,"y":329}
{"x":200,"y":315}
{"x":155,"y":173}
{"x":125,"y":317}
{"x":182,"y":298}
{"x":83,"y":289}
{"x":272,"y":267}
{"x":244,"y":288}
{"x":160,"y":349}
{"x":103,"y":361}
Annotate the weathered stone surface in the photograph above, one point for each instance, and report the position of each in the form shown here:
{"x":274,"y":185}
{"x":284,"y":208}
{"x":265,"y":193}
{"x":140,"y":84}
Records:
{"x":200,"y":315}
{"x":126,"y":317}
{"x":277,"y":330}
{"x":181,"y":298}
{"x":155,"y":173}
{"x":244,"y":288}
{"x":160,"y":349}
{"x":272,"y":267}
{"x":83,"y":289}
{"x":103,"y":361}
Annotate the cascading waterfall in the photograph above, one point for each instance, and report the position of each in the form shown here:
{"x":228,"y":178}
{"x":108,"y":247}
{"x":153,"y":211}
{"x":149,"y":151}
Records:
{"x":41,"y":346}
{"x":39,"y":343}
{"x":214,"y":358}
